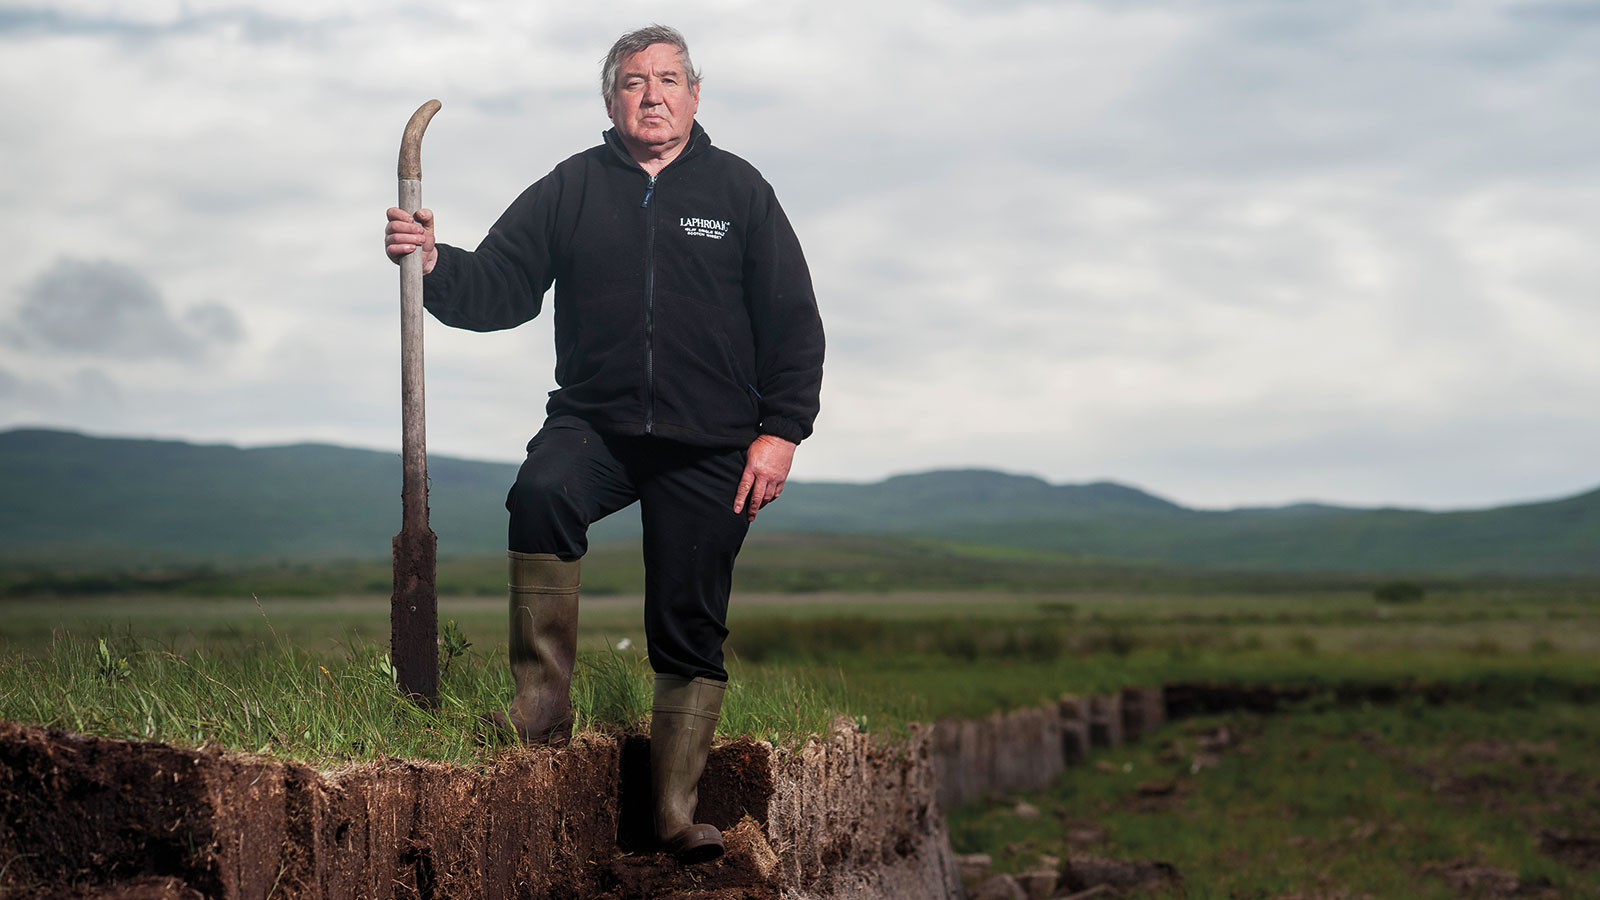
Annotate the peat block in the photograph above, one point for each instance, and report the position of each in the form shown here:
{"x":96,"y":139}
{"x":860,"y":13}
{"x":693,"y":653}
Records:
{"x":1105,"y":720}
{"x":1074,"y":712}
{"x":1143,"y":711}
{"x":1017,"y":750}
{"x":100,"y":818}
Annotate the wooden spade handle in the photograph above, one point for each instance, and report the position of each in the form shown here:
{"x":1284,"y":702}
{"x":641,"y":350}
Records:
{"x":411,"y":143}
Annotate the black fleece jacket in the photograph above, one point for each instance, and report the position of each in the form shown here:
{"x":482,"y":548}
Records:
{"x":683,"y":305}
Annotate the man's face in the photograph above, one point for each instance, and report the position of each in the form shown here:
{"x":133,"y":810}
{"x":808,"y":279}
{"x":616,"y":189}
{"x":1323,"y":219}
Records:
{"x":654,"y":106}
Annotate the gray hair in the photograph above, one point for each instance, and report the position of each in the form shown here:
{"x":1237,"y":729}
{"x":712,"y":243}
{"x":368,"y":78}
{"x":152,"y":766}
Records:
{"x":633,"y":42}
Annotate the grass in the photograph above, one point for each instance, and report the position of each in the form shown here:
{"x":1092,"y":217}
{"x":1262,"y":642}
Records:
{"x":796,"y":564}
{"x":1327,"y":802}
{"x":1412,"y":801}
{"x":273,"y":697}
{"x":308,"y":678}
{"x":303,"y":675}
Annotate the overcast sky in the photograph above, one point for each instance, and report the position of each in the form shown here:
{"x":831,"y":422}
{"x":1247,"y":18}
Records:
{"x":1230,"y":252}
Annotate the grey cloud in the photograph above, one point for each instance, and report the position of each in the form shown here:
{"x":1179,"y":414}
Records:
{"x":252,"y":26}
{"x":1563,"y":13}
{"x":1140,"y":236}
{"x":214,"y":322}
{"x":85,"y":390}
{"x":110,"y":309}
{"x":1436,"y":93}
{"x":94,"y":387}
{"x":217,"y":197}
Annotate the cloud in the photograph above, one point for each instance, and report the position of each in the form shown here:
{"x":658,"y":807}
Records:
{"x":105,"y":308}
{"x":119,"y":21}
{"x":86,"y":390}
{"x":1234,"y":251}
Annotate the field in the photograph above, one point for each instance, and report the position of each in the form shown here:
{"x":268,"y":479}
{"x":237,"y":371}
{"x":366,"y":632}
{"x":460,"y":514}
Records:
{"x":289,"y":660}
{"x":1413,"y":801}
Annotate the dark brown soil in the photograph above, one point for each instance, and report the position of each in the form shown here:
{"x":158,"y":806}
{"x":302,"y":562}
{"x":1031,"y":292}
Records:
{"x":101,"y":818}
{"x":1205,"y":698}
{"x":1470,"y":880}
{"x":1081,"y":872}
{"x":1580,"y":851}
{"x":144,"y":889}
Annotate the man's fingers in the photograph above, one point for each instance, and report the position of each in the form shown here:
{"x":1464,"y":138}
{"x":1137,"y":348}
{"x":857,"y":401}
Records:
{"x":405,"y":234}
{"x":742,"y":491}
{"x":398,"y":245}
{"x":758,"y":495}
{"x":402,"y":222}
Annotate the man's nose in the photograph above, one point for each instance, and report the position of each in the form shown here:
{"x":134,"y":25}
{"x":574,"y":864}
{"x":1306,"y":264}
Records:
{"x":652,"y":93}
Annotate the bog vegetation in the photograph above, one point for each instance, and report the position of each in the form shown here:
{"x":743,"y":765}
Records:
{"x":290,"y":660}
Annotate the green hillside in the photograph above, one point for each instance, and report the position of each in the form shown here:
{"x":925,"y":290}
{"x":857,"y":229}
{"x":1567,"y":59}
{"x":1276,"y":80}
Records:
{"x":73,"y":499}
{"x":70,"y":496}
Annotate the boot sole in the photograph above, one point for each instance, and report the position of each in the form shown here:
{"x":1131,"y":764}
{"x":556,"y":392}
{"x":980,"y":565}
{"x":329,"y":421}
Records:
{"x":693,"y":856}
{"x":696,"y":844}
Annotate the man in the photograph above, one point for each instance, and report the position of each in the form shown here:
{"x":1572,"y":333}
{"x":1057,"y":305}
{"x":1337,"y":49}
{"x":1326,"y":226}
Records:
{"x":688,"y":365}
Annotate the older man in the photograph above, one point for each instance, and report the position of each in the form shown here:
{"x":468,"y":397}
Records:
{"x":688,"y":364}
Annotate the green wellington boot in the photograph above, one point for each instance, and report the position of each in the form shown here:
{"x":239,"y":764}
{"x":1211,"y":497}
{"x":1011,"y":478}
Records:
{"x":544,"y":647}
{"x":682,"y":722}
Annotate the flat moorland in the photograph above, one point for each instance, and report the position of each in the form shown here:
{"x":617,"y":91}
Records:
{"x":1492,"y":794}
{"x":1415,"y":800}
{"x":290,"y":659}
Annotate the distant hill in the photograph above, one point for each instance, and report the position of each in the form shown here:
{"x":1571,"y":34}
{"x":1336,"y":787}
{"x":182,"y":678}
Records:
{"x":67,"y":497}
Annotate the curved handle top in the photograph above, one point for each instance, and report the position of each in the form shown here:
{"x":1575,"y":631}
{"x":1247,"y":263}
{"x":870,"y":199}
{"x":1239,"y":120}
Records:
{"x":411,"y":142}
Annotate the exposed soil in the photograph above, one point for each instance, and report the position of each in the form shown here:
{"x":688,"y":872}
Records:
{"x":1581,"y":851}
{"x":1520,"y":781}
{"x":838,"y":819}
{"x":97,"y":818}
{"x":111,"y":818}
{"x":1469,"y":879}
{"x":1082,"y":872}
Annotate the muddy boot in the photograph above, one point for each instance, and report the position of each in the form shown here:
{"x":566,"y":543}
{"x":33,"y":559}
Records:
{"x":544,"y":646}
{"x":682,"y":722}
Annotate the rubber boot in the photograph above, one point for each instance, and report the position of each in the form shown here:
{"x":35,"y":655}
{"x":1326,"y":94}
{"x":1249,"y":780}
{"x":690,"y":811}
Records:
{"x":544,"y":647}
{"x":682,"y":721}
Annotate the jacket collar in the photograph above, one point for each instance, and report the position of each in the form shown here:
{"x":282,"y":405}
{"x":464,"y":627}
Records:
{"x":698,"y":142}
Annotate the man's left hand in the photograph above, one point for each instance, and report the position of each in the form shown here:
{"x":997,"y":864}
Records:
{"x":766,"y":468}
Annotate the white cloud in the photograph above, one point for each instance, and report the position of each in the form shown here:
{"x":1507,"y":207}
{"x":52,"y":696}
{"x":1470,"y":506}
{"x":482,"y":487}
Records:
{"x":1234,"y":252}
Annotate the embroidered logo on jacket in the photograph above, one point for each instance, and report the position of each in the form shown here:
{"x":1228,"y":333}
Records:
{"x":706,"y":228}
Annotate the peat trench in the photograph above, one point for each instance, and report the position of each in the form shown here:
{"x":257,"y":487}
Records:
{"x":839,"y":818}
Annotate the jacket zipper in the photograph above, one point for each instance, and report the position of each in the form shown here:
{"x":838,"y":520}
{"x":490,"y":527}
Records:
{"x":650,"y":308}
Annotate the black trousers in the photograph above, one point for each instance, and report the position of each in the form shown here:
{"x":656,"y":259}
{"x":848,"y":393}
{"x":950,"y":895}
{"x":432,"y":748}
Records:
{"x":574,"y":476}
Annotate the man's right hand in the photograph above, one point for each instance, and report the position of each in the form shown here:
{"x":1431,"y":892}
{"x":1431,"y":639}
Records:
{"x":405,"y":234}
